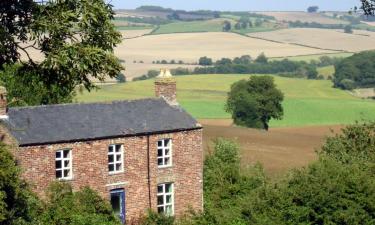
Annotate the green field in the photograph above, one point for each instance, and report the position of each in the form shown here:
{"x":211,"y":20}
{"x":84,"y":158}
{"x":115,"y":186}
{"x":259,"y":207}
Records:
{"x":326,"y":71}
{"x":307,"y":102}
{"x":215,"y":25}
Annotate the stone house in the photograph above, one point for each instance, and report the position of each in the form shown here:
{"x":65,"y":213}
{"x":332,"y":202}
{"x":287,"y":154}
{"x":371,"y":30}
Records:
{"x":138,"y":154}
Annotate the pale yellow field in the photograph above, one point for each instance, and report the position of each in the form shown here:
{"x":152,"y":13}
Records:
{"x":369,"y":23}
{"x":189,"y":47}
{"x":134,"y":33}
{"x":323,"y":38}
{"x":303,"y":17}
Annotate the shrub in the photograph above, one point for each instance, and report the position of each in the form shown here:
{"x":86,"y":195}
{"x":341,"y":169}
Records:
{"x":121,"y":78}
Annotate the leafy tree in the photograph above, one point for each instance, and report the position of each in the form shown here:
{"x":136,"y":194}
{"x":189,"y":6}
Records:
{"x":262,"y":59}
{"x":311,"y":72}
{"x":237,"y":26}
{"x":18,"y":206}
{"x":313,"y":9}
{"x":224,"y":61}
{"x":354,"y":144}
{"x":348,"y":29}
{"x":255,"y":102}
{"x":356,"y":71}
{"x":121,"y":78}
{"x":368,"y":6}
{"x":258,"y":22}
{"x":227,"y":26}
{"x":76,"y":39}
{"x":84,"y":207}
{"x":205,"y":61}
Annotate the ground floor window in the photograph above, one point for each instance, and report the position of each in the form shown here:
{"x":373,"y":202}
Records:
{"x":63,"y":164}
{"x":166,"y":199}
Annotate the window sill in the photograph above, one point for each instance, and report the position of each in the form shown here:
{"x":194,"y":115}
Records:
{"x":65,"y":179}
{"x":115,"y":173}
{"x":165,"y":167}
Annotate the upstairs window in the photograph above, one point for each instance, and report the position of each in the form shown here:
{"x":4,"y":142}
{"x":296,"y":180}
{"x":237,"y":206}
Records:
{"x":115,"y":159}
{"x":63,"y":164}
{"x":166,"y":199}
{"x":164,"y":153}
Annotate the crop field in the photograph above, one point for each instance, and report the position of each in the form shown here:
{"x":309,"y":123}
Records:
{"x":134,"y":33}
{"x":304,"y":17}
{"x":323,"y":38}
{"x":307,"y":102}
{"x":215,"y":25}
{"x":308,"y":58}
{"x":189,"y":47}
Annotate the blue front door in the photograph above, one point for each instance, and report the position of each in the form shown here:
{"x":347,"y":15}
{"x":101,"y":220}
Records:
{"x":118,"y":203}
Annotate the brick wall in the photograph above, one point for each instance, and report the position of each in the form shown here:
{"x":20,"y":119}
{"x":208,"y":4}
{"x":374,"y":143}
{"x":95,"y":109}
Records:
{"x":166,"y":87}
{"x":90,"y":168}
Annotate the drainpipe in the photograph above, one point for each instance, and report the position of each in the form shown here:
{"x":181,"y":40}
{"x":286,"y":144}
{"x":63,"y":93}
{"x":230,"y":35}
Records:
{"x":148,"y":170}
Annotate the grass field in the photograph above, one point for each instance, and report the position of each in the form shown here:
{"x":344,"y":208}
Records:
{"x":304,"y":17}
{"x":307,"y":102}
{"x":215,"y":25}
{"x":326,"y":71}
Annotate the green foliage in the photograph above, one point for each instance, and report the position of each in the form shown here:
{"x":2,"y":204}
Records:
{"x":18,"y":206}
{"x":255,"y":102}
{"x":227,"y":26}
{"x":76,"y":39}
{"x":205,"y":61}
{"x":153,"y":218}
{"x":313,"y":9}
{"x":84,"y":207}
{"x":225,"y":186}
{"x":348,"y":29}
{"x":327,"y":192}
{"x":262,"y":59}
{"x":356,"y":71}
{"x":121,"y":78}
{"x":356,"y":143}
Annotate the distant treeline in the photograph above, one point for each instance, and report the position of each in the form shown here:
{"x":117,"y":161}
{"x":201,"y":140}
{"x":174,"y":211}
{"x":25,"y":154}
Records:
{"x":147,"y":20}
{"x":246,"y":65}
{"x":299,"y":24}
{"x":182,"y":14}
{"x":249,"y":14}
{"x":357,"y":71}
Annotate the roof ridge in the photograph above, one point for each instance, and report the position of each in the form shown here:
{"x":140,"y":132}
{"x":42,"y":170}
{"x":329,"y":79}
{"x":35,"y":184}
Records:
{"x":83,"y":103}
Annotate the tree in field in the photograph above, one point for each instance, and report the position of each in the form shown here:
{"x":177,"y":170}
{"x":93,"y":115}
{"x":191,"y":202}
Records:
{"x":313,"y":9}
{"x":205,"y":61}
{"x":237,"y":26}
{"x":254,"y":102}
{"x":227,"y":26}
{"x":76,"y":39}
{"x":261,"y":59}
{"x":348,"y":29}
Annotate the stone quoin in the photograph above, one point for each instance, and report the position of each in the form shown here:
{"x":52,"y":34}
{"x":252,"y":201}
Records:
{"x":141,"y":154}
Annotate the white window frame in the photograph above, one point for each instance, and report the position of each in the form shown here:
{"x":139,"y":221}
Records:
{"x":163,"y":157}
{"x":115,"y":161}
{"x":164,"y":194}
{"x":63,"y":167}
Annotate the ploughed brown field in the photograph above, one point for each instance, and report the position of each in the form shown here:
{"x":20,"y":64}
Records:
{"x":279,"y":149}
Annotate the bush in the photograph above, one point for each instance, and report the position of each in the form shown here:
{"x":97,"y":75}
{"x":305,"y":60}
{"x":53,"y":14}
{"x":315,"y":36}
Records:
{"x":121,"y":78}
{"x":205,"y":61}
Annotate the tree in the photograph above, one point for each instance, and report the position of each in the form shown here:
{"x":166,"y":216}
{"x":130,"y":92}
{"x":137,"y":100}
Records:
{"x":261,"y":59}
{"x":205,"y":61}
{"x":311,"y":72}
{"x":227,"y":26}
{"x":313,"y":9}
{"x":76,"y":39}
{"x":348,"y":29}
{"x":121,"y":78}
{"x":17,"y":204}
{"x":368,"y":6}
{"x":255,"y":102}
{"x":237,"y":26}
{"x":84,"y":207}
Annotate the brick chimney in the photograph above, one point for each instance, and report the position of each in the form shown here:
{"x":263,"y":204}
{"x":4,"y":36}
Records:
{"x":3,"y":103}
{"x":165,"y":87}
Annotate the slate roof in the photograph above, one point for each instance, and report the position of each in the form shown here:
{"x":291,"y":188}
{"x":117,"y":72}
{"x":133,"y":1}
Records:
{"x":78,"y":122}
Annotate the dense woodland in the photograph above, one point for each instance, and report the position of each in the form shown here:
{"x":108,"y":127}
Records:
{"x":357,"y":71}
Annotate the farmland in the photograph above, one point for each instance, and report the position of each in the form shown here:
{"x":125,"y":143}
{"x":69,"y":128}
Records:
{"x":304,"y":17}
{"x":323,"y":38}
{"x":307,"y":102}
{"x":190,"y":46}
